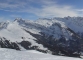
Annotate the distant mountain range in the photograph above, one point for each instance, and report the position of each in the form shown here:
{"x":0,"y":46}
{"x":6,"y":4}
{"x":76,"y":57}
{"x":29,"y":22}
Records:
{"x":57,"y":36}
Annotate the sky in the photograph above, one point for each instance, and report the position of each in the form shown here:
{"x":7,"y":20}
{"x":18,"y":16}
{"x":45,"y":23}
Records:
{"x":34,"y":9}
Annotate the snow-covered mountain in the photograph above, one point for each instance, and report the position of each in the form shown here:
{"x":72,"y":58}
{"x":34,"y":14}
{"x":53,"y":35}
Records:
{"x":60,"y":36}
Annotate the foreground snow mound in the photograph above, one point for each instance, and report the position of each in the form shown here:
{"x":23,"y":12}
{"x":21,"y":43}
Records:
{"x":9,"y":54}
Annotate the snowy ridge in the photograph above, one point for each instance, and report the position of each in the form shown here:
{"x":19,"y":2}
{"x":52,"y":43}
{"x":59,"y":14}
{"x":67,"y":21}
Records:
{"x":55,"y":36}
{"x":14,"y":33}
{"x":75,"y":23}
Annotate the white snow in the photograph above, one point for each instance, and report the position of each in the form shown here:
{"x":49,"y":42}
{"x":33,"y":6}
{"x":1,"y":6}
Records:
{"x":9,"y":54}
{"x":75,"y":23}
{"x":14,"y":32}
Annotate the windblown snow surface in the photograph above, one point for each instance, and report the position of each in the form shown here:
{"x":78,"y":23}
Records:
{"x":9,"y":54}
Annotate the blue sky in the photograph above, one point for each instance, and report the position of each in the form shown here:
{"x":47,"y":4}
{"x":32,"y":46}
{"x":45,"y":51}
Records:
{"x":34,"y":9}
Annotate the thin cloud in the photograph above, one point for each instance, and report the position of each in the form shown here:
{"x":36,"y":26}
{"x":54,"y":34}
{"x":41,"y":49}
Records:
{"x":44,"y":8}
{"x":80,"y":10}
{"x":2,"y":19}
{"x":15,"y":16}
{"x":51,"y":9}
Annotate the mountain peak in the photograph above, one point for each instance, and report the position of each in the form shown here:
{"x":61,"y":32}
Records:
{"x":45,"y":35}
{"x":18,"y":19}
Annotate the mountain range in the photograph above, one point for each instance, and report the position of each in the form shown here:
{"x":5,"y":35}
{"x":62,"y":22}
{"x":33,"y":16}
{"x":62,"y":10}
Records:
{"x":56,"y":36}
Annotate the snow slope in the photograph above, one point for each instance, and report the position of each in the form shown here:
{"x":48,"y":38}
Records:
{"x":75,"y":23}
{"x":54,"y":36}
{"x":15,"y":33}
{"x":9,"y":54}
